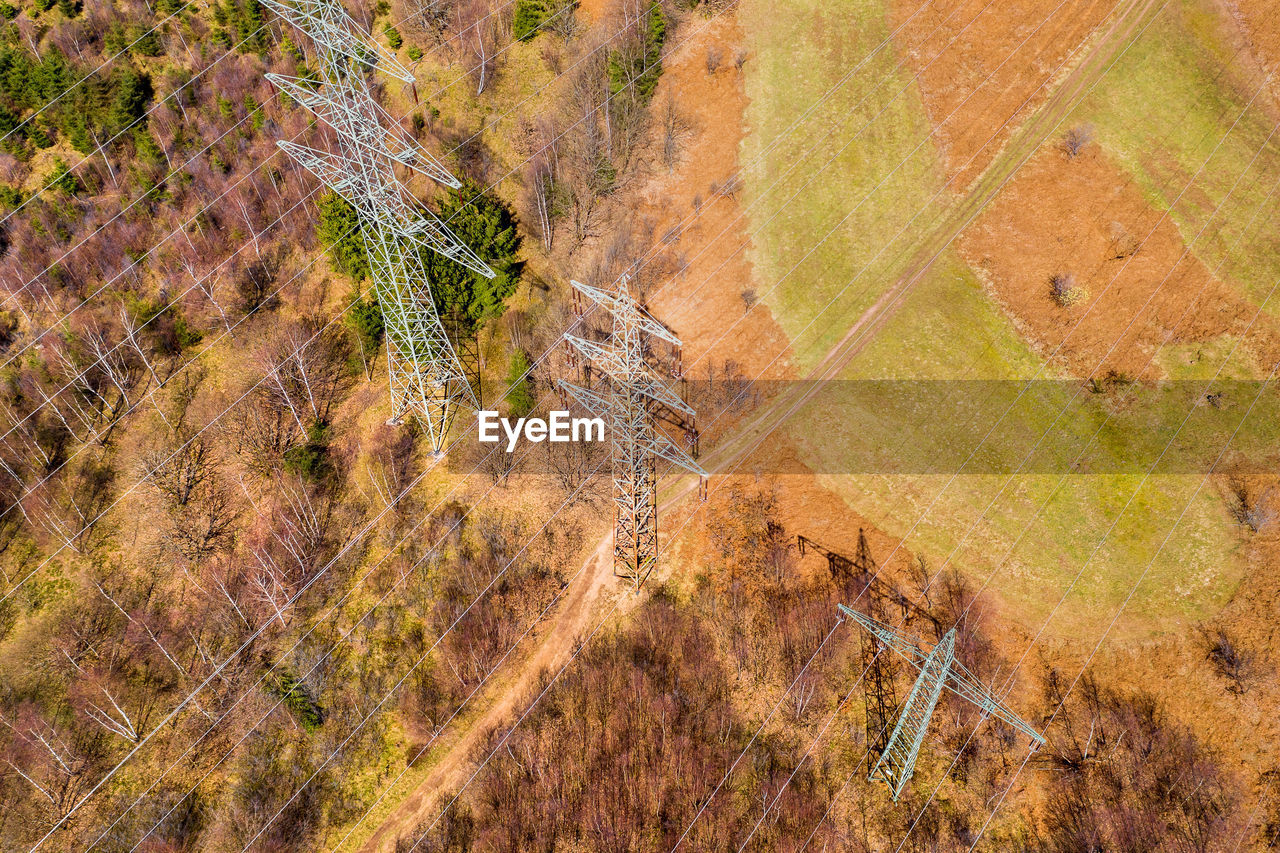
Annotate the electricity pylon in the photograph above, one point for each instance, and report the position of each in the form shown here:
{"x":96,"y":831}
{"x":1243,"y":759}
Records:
{"x":630,"y":402}
{"x":938,"y":669}
{"x":425,"y":375}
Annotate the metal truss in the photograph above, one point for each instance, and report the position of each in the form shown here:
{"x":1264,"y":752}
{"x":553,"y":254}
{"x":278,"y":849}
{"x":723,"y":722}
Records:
{"x":337,"y":34}
{"x":424,"y":372}
{"x":938,"y":669}
{"x":630,"y":402}
{"x":355,"y":114}
{"x":858,"y":578}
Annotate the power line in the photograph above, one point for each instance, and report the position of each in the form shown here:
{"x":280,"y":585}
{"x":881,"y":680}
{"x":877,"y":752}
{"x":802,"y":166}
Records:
{"x":218,"y":669}
{"x":425,"y":376}
{"x":631,"y":403}
{"x":1138,"y":313}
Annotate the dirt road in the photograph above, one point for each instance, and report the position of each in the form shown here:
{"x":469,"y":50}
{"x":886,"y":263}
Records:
{"x":595,"y":585}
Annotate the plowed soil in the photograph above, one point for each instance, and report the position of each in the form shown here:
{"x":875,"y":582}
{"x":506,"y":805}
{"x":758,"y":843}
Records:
{"x":987,"y":76}
{"x":1083,"y":217}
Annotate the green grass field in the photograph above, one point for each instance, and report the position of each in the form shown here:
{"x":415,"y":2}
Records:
{"x":798,"y":54}
{"x":1034,"y":533}
{"x":1169,"y":108}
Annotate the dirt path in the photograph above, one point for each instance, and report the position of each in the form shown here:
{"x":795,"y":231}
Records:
{"x":596,"y":583}
{"x":1026,"y":142}
{"x":1126,"y":24}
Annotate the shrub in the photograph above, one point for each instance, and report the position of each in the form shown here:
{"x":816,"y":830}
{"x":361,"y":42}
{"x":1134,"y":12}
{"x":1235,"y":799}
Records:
{"x":310,"y":460}
{"x":528,"y":19}
{"x":185,"y":336}
{"x":1232,"y":662}
{"x":394,"y":39}
{"x":415,"y":53}
{"x":1062,"y":287}
{"x":148,"y":150}
{"x":294,"y":695}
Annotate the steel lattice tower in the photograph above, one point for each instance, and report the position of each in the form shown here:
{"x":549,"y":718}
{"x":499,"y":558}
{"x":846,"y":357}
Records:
{"x":631,"y":401}
{"x":425,"y":375}
{"x":938,"y":669}
{"x":858,"y":577}
{"x":878,"y":692}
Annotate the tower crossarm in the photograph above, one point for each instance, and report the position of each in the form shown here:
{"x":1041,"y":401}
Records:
{"x":661,"y":446}
{"x":959,"y":680}
{"x":426,"y":229}
{"x":625,"y":308}
{"x":653,"y":388}
{"x":332,"y":29}
{"x":964,"y":684}
{"x":352,"y":110}
{"x":652,"y":442}
{"x":382,"y":203}
{"x":354,"y":179}
{"x":638,"y":377}
{"x":333,"y":170}
{"x":903,"y":647}
{"x":591,"y":401}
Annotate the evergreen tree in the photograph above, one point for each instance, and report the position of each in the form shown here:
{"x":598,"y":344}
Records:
{"x":132,"y":92}
{"x":520,"y":393}
{"x":339,"y":232}
{"x":486,"y":225}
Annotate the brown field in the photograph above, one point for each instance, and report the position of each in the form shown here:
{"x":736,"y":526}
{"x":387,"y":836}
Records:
{"x":703,"y":297}
{"x":974,"y":79}
{"x":1083,"y":217}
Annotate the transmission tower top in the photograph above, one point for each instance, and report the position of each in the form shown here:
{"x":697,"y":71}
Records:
{"x":354,"y":113}
{"x":425,"y":375}
{"x":631,"y":400}
{"x":938,"y":669}
{"x":336,"y":32}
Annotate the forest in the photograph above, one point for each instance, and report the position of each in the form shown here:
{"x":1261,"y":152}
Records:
{"x":238,"y":606}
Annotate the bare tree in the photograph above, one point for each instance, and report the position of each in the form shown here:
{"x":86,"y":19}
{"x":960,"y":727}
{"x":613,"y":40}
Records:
{"x":303,"y":367}
{"x":69,"y":506}
{"x":1077,"y":139}
{"x":573,"y":463}
{"x":475,"y":29}
{"x":1233,"y":663}
{"x":1123,"y":244}
{"x":715,"y":56}
{"x":201,"y":529}
{"x":674,"y":131}
{"x":1064,"y":290}
{"x":1251,"y":507}
{"x":540,"y":193}
{"x":182,"y":468}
